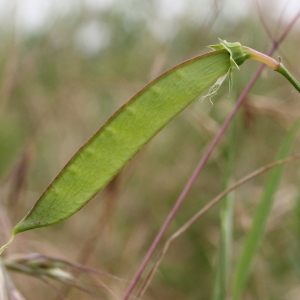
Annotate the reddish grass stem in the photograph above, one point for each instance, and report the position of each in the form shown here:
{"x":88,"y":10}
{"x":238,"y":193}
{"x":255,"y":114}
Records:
{"x":201,"y":164}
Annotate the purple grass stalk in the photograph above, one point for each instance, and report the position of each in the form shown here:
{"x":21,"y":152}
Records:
{"x":202,"y":163}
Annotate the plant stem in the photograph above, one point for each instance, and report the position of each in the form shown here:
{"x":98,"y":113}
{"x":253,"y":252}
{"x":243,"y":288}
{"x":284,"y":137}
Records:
{"x":275,"y":65}
{"x":266,"y":59}
{"x":284,"y":71}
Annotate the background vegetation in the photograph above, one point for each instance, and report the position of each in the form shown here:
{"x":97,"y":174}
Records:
{"x":61,"y":82}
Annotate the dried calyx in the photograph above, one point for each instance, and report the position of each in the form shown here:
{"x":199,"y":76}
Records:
{"x":238,"y":54}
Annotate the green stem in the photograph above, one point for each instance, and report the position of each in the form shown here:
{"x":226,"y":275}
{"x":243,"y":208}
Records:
{"x":284,"y":71}
{"x":7,"y":244}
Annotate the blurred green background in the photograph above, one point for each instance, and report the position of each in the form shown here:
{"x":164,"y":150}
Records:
{"x":65,"y":69}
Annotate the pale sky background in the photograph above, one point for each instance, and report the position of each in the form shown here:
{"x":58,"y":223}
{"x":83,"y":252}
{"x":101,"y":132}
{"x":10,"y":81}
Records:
{"x":31,"y":16}
{"x":32,"y":13}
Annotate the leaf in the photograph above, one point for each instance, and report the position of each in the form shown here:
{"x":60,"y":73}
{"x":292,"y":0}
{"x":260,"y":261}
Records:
{"x":122,"y":136}
{"x":226,"y":223}
{"x":256,"y":232}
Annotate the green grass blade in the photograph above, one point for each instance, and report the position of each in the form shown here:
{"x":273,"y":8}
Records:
{"x":122,"y":136}
{"x":224,"y":259}
{"x":259,"y":221}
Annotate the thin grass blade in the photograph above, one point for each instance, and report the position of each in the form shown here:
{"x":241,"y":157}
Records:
{"x":226,"y":219}
{"x":256,"y":232}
